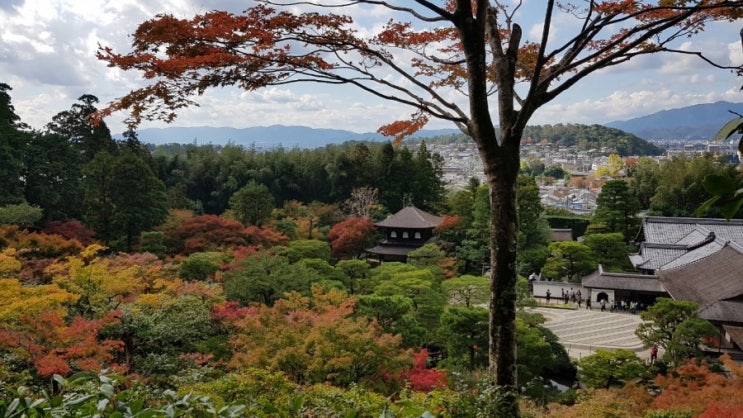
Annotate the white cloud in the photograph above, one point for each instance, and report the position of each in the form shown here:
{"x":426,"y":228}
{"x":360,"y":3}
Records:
{"x":47,"y":55}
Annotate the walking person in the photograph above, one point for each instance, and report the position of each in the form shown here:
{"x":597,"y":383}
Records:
{"x":549,"y":295}
{"x":588,"y":304}
{"x":603,"y":305}
{"x":653,"y":354}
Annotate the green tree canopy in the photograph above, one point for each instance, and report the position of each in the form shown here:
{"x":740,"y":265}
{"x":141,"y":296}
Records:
{"x":568,"y":259}
{"x":253,"y":204}
{"x":675,"y":326}
{"x":610,"y":250}
{"x":12,"y":149}
{"x":616,"y":210}
{"x":23,"y":215}
{"x":201,"y":265}
{"x":464,"y":334}
{"x":122,"y":198}
{"x":264,"y":278}
{"x":77,"y":125}
{"x":467,"y":290}
{"x":605,"y":369}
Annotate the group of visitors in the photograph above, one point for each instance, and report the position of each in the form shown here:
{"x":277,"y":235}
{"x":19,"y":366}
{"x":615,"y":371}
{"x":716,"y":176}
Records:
{"x":568,"y":296}
{"x":574,"y":296}
{"x":626,"y":306}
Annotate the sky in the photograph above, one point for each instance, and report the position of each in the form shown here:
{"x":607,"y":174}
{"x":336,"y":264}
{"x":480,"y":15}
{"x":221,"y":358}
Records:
{"x":47,"y":56}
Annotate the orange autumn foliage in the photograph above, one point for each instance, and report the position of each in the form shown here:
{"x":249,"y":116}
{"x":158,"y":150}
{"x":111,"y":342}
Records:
{"x":35,"y":244}
{"x":70,"y":229}
{"x":17,"y":300}
{"x":693,"y":387}
{"x":213,"y":233}
{"x":314,"y":340}
{"x":349,"y":238}
{"x":629,"y":402}
{"x":53,"y":346}
{"x":449,"y":222}
{"x":265,"y":237}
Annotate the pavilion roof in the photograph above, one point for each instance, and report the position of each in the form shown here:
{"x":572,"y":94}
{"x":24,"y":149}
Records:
{"x":411,"y":217}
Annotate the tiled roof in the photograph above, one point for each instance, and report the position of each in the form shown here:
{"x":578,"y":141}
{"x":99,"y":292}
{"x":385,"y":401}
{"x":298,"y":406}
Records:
{"x":622,"y":281}
{"x":672,"y":243}
{"x":694,"y":237}
{"x":411,"y":217}
{"x":694,"y":255}
{"x":665,"y":230}
{"x":654,"y":256}
{"x":398,"y":250}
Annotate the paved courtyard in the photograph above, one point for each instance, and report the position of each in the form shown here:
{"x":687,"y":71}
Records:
{"x":582,"y":331}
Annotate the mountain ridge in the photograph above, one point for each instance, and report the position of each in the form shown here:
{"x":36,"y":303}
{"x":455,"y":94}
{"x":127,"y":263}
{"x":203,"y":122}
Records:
{"x":695,"y":122}
{"x":288,"y":136}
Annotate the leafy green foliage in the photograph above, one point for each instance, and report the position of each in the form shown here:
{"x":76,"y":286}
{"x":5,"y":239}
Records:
{"x":353,"y":272}
{"x":265,"y":278}
{"x":675,"y":326}
{"x":201,"y":266}
{"x":122,"y":198}
{"x":610,"y":368}
{"x":725,"y":195}
{"x":617,"y":209}
{"x":253,"y":204}
{"x":86,"y":396}
{"x":610,"y":250}
{"x":467,"y":290}
{"x":301,"y":249}
{"x":21,"y":214}
{"x":676,"y":186}
{"x":464,"y":333}
{"x":570,"y":260}
{"x":157,"y":332}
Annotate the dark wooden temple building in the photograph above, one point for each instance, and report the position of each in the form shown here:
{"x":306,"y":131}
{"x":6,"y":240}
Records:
{"x":405,"y":231}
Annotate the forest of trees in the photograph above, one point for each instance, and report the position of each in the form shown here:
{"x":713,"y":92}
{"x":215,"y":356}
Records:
{"x":583,"y":137}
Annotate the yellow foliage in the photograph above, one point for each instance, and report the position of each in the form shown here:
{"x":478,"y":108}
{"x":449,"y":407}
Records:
{"x":17,"y":299}
{"x":102,"y":284}
{"x":92,"y":250}
{"x":153,"y":300}
{"x":9,"y":265}
{"x":612,"y":167}
{"x":303,"y":229}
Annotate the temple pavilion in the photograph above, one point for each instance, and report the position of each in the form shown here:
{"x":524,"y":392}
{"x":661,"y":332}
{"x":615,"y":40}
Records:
{"x":405,"y":231}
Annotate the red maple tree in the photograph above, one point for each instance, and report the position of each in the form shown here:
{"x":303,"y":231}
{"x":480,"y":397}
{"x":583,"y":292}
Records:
{"x":349,"y":238}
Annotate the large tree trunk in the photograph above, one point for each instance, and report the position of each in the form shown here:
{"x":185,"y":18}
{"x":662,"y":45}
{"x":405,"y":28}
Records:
{"x":501,"y":168}
{"x":500,"y":157}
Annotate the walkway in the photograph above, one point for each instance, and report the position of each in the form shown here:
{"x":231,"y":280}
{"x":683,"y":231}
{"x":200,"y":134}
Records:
{"x":583,"y":331}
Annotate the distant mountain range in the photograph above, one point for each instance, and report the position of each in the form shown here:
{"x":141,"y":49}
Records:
{"x":266,"y":137}
{"x":700,"y":121}
{"x":692,"y":122}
